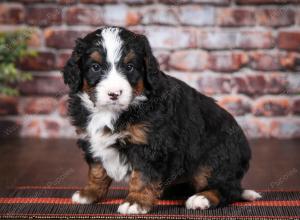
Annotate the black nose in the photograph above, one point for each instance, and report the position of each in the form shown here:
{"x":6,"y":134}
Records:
{"x":114,"y":95}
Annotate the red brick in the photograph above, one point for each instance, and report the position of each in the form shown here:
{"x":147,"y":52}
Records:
{"x":137,"y":29}
{"x":214,"y":84}
{"x":162,"y":57}
{"x":62,"y":58}
{"x":297,"y":16}
{"x":37,"y":1}
{"x":293,"y":84}
{"x":236,"y":39}
{"x":219,"y":2}
{"x":276,"y":84}
{"x":84,"y":15}
{"x":9,"y":128}
{"x":11,"y":13}
{"x":290,"y":61}
{"x":296,"y":106}
{"x":276,"y":17}
{"x":66,"y":2}
{"x":289,"y":40}
{"x":99,"y":1}
{"x":63,"y":105}
{"x":66,"y":129}
{"x":44,"y":85}
{"x":271,"y":106}
{"x":31,"y":127}
{"x":212,"y":2}
{"x":62,"y":38}
{"x":254,"y":127}
{"x":35,"y":38}
{"x":266,"y":1}
{"x":160,"y":14}
{"x":52,"y":128}
{"x":39,"y":105}
{"x":265,"y":61}
{"x":42,"y":61}
{"x":197,"y":15}
{"x":139,"y":2}
{"x":8,"y":105}
{"x":285,"y":128}
{"x":236,"y":105}
{"x":120,"y":15}
{"x":227,"y":61}
{"x":133,"y":18}
{"x":188,"y":60}
{"x":256,"y":39}
{"x":253,"y":84}
{"x":235,"y":17}
{"x":170,"y":37}
{"x":44,"y":15}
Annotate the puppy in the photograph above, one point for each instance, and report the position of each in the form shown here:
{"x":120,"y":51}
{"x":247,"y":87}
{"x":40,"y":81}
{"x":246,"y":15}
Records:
{"x":138,"y":124}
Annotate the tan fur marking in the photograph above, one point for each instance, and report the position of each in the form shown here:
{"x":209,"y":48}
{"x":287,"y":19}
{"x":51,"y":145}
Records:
{"x":139,"y":88}
{"x":89,"y":90}
{"x":137,"y":133}
{"x":129,"y":57}
{"x":200,"y":179}
{"x":145,"y":194}
{"x":86,"y":88}
{"x":212,"y":195}
{"x":79,"y":131}
{"x":96,"y":56}
{"x":98,"y":183}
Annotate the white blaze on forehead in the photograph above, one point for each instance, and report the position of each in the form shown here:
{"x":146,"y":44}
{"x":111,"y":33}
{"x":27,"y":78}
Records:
{"x":112,"y":44}
{"x":115,"y":80}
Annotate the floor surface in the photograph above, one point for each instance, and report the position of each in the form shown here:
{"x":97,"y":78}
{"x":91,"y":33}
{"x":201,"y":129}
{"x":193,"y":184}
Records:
{"x":36,"y":162}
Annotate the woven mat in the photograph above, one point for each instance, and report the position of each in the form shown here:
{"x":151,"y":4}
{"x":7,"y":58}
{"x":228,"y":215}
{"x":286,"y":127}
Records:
{"x":55,"y":202}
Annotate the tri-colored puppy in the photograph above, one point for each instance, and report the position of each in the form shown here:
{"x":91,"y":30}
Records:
{"x":138,"y":124}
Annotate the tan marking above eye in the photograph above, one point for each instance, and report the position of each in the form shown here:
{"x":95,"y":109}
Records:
{"x":129,"y":57}
{"x":96,"y":56}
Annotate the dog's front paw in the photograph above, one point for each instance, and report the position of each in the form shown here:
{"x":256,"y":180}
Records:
{"x":135,"y":208}
{"x":82,"y":197}
{"x":197,"y":202}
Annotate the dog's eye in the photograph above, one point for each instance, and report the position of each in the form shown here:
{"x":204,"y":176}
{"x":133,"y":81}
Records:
{"x":129,"y":67}
{"x":96,"y":67}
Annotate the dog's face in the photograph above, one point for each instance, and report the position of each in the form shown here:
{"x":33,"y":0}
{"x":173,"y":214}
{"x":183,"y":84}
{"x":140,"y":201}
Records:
{"x":114,"y":66}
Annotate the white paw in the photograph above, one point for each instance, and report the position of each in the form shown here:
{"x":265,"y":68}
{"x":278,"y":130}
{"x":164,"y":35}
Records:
{"x":197,"y":202}
{"x":135,"y":208}
{"x":77,"y":198}
{"x":250,"y":195}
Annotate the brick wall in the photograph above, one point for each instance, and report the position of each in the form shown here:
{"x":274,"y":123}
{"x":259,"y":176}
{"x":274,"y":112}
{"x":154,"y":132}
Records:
{"x":245,"y":53}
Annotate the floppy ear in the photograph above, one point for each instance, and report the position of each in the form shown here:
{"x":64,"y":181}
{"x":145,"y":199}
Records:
{"x":71,"y":71}
{"x":151,"y":65}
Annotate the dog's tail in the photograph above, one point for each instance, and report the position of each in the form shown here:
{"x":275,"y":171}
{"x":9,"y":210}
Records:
{"x":250,"y":195}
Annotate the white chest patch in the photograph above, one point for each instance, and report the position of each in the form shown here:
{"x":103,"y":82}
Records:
{"x":101,"y":141}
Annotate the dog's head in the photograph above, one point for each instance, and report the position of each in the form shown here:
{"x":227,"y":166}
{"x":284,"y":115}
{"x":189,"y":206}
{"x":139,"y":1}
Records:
{"x":114,"y":66}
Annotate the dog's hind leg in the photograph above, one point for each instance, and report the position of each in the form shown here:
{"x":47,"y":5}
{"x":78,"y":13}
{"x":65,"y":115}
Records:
{"x":204,"y":200}
{"x":213,"y":192}
{"x":205,"y":197}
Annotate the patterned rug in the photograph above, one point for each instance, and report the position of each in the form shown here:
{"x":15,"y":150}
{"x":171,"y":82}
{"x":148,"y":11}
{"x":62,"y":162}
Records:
{"x":55,"y":202}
